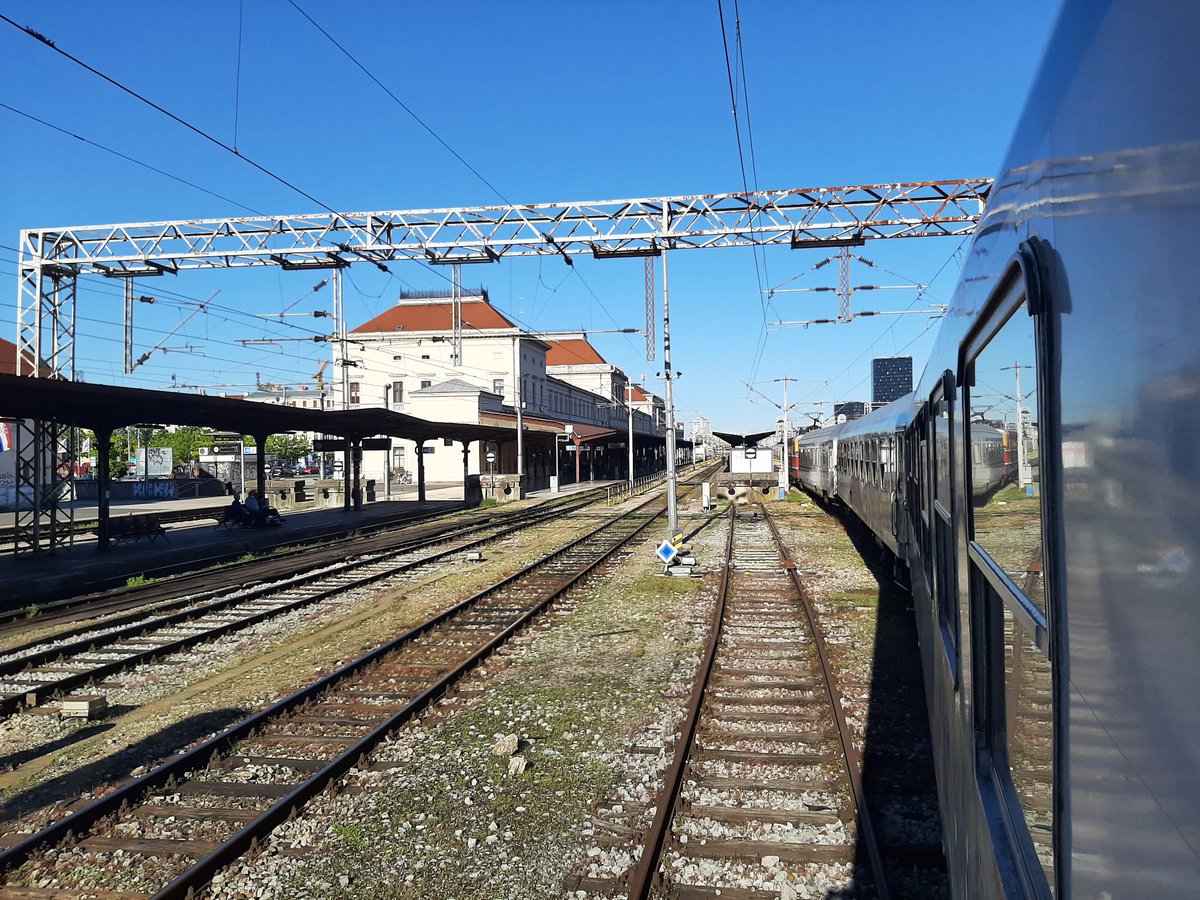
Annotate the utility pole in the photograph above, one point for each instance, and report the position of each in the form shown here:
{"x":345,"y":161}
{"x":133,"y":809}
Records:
{"x":1024,"y":475}
{"x":672,"y":500}
{"x":518,"y":402}
{"x":629,"y":409}
{"x":784,"y":409}
{"x":785,"y":463}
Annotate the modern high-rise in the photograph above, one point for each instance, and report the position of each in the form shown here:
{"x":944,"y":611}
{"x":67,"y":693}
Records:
{"x":891,"y":378}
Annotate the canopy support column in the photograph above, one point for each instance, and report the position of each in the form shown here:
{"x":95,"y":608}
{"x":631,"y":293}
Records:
{"x":103,"y":449}
{"x":347,"y":483}
{"x":421,"y":470}
{"x":356,"y":457}
{"x":260,"y":466}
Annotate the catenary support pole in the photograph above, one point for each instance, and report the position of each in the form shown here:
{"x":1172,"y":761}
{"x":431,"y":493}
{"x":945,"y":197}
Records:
{"x":672,"y":501}
{"x":629,"y":409}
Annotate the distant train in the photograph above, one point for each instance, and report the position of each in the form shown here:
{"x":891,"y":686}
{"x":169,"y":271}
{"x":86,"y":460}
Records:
{"x":1053,"y":560}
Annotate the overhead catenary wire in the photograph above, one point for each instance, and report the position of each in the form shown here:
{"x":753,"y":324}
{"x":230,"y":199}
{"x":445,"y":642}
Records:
{"x":43,"y":39}
{"x":404,"y":106}
{"x":761,"y":344}
{"x":128,"y":158}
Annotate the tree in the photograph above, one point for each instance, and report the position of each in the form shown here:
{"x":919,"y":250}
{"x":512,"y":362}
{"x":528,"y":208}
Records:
{"x":288,"y":447}
{"x":185,"y":442}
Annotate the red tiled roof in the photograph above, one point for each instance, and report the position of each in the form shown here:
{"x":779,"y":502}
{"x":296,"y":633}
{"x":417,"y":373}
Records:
{"x":434,"y":317}
{"x":8,"y":360}
{"x":572,"y":352}
{"x":639,"y":395}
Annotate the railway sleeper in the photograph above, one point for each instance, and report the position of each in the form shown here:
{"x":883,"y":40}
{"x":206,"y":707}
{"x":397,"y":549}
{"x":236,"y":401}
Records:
{"x":753,"y":851}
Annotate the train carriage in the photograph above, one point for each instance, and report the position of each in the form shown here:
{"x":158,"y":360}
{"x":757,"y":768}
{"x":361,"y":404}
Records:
{"x":1053,"y":581}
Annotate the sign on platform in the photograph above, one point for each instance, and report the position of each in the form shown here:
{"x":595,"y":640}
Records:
{"x":666,"y":552}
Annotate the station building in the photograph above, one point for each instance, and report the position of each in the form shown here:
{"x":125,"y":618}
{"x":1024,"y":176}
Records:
{"x":407,"y":360}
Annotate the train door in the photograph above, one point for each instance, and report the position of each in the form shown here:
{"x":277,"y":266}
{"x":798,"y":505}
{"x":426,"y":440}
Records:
{"x":945,"y":568}
{"x":1011,"y":568}
{"x":923,"y":491}
{"x":833,"y":468}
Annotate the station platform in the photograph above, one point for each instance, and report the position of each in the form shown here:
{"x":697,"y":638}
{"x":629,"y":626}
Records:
{"x":27,"y":578}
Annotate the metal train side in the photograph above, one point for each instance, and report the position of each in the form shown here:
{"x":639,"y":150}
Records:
{"x":1053,"y":562}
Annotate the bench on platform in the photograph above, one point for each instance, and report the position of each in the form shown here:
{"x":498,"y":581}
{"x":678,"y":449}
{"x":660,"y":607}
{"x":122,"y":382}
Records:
{"x":135,"y":528}
{"x":225,"y":520}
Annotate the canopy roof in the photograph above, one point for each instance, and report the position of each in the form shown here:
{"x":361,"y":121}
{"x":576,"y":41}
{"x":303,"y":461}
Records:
{"x":737,"y":439}
{"x":98,"y":406}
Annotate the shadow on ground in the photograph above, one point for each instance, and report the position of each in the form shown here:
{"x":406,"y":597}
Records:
{"x":116,"y":767}
{"x":898,"y":774}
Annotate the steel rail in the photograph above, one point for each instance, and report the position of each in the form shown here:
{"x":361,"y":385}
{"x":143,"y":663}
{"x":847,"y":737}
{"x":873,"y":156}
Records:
{"x":234,"y":847}
{"x":116,"y":600}
{"x":12,"y":702}
{"x":851,"y":758}
{"x":644,"y":875}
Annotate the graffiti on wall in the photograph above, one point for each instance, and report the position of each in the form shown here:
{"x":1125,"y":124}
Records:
{"x":153,"y":490}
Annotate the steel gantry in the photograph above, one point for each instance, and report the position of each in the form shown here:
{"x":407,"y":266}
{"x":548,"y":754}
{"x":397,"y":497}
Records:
{"x":51,"y":259}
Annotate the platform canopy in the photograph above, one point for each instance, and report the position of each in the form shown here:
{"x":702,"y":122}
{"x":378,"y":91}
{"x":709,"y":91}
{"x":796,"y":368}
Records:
{"x":737,"y":439}
{"x":101,"y":406}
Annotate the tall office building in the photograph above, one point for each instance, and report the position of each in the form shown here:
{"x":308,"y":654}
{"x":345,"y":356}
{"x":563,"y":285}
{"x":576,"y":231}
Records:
{"x":891,"y":378}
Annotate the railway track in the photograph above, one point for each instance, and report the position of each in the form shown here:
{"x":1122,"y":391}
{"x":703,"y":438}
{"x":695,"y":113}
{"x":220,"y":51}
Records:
{"x":762,"y":798}
{"x":36,"y":671}
{"x":209,"y":581}
{"x":174,"y":828}
{"x":206,"y":581}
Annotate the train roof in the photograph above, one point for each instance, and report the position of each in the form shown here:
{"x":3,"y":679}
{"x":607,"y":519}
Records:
{"x":896,"y":416}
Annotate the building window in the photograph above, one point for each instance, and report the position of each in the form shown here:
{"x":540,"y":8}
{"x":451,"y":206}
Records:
{"x":426,"y":383}
{"x":354,"y":391}
{"x":498,"y":386}
{"x":397,"y":392}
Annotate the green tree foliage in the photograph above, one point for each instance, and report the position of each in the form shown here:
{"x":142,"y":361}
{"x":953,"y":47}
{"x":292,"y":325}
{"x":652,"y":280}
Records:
{"x":288,"y":447}
{"x":184,"y":442}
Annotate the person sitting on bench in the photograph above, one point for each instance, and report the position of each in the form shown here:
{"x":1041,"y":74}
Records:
{"x":261,"y":513}
{"x":238,"y":513}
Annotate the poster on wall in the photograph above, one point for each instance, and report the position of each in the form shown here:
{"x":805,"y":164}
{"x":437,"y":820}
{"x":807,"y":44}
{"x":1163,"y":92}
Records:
{"x":154,"y":462}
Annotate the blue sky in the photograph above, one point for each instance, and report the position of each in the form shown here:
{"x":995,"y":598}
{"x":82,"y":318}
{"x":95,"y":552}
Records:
{"x":547,"y":102}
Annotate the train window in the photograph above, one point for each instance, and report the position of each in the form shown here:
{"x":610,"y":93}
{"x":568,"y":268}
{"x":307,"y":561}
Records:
{"x":945,"y":581}
{"x":1005,"y":491}
{"x":1015,"y":709}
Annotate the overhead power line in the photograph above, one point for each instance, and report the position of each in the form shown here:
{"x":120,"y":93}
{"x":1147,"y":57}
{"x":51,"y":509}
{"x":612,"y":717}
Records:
{"x":166,"y":112}
{"x":404,"y":106}
{"x":127,"y":158}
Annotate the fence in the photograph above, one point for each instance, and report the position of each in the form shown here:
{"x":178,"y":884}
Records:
{"x":618,"y":493}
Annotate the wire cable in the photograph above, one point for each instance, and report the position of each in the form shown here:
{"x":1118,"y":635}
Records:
{"x":127,"y":158}
{"x":41,"y":38}
{"x":350,"y":56}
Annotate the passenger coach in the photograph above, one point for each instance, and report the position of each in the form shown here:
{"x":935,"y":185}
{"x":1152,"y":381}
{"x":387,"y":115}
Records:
{"x":1053,"y":578}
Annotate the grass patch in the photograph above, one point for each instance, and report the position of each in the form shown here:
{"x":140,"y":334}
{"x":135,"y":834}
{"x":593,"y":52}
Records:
{"x":141,"y":581}
{"x":488,"y":503}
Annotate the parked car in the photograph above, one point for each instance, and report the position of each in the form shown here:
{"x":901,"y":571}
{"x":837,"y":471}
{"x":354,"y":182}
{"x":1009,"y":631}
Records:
{"x":283,"y":472}
{"x":312,"y":469}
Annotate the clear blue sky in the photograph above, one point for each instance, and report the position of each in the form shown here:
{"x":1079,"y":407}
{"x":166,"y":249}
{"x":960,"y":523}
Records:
{"x":548,"y":102}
